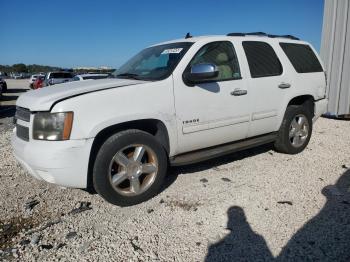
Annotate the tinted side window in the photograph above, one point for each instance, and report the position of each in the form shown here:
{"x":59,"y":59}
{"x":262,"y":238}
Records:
{"x":60,"y":75}
{"x":302,"y":58}
{"x":67,"y":75}
{"x":221,"y":54}
{"x":94,"y":77}
{"x":262,"y":59}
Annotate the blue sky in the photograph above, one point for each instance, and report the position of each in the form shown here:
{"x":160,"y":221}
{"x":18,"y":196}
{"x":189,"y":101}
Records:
{"x":106,"y":32}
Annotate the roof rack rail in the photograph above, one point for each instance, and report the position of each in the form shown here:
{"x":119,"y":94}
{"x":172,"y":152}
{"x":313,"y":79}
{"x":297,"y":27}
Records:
{"x":264,"y":34}
{"x":257,"y":33}
{"x":236,"y":34}
{"x":284,"y":36}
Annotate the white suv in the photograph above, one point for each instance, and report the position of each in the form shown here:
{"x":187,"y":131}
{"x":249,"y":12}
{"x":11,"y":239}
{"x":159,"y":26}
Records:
{"x":174,"y":103}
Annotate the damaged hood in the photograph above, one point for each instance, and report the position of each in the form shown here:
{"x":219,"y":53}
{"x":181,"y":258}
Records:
{"x":43,"y":99}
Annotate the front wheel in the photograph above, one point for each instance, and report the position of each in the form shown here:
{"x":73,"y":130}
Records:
{"x":129,"y":168}
{"x":295,"y":131}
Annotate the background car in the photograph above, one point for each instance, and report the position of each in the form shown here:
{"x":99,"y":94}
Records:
{"x":53,"y":78}
{"x":33,"y":78}
{"x":17,"y":76}
{"x":3,"y":85}
{"x":90,"y":76}
{"x":39,"y":82}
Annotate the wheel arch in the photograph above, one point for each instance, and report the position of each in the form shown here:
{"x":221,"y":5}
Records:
{"x":154,"y":127}
{"x":307,"y":100}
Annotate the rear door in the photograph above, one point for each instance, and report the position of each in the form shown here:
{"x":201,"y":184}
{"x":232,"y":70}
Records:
{"x":268,"y":85}
{"x":309,"y":73}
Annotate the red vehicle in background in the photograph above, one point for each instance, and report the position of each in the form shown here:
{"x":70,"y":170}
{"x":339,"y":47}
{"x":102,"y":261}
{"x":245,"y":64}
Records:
{"x":39,"y":82}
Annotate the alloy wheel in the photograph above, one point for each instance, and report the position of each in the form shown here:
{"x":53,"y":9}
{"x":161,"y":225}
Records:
{"x":299,"y":130}
{"x":133,"y":169}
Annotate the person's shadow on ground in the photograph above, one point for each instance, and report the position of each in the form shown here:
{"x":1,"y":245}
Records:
{"x":242,"y":244}
{"x":326,"y":237}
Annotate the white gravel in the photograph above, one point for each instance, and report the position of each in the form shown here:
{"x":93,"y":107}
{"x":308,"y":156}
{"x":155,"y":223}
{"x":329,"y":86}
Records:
{"x":225,"y":209}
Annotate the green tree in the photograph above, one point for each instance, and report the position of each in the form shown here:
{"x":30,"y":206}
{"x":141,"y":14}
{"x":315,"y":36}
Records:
{"x":20,"y":68}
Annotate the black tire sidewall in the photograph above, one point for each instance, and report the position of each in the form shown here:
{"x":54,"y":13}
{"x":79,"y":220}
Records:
{"x":291,"y":113}
{"x":107,"y":151}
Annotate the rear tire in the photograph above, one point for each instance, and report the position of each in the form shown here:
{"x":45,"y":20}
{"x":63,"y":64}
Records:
{"x":129,"y":168}
{"x":295,"y":131}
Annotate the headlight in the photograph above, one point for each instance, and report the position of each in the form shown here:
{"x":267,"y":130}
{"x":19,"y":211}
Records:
{"x":52,"y":126}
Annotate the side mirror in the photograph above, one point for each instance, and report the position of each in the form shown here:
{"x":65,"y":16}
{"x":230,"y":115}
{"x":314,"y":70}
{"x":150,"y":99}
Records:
{"x":202,"y":73}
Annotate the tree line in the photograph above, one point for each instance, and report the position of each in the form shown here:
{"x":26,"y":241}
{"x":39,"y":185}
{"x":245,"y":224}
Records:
{"x":22,"y":68}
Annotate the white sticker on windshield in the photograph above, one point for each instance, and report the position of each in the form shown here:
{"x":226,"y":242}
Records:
{"x":172,"y":51}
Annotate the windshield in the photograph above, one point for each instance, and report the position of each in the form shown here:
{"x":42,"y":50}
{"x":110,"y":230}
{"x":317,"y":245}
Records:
{"x":154,"y":63}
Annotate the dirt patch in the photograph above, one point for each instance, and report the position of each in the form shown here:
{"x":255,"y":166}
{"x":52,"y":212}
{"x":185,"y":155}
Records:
{"x":185,"y":205}
{"x":10,"y":229}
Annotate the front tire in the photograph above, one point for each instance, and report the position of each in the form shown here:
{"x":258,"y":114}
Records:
{"x":129,"y":168}
{"x":295,"y":131}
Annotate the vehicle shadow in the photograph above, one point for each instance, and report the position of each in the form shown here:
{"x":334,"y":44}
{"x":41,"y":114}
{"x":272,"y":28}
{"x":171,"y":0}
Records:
{"x":16,"y":90}
{"x":174,"y":172}
{"x":7,"y":111}
{"x":339,"y":118}
{"x":326,"y":237}
{"x":9,"y":98}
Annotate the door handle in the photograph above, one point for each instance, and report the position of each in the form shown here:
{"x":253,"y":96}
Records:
{"x":239,"y":92}
{"x":284,"y":85}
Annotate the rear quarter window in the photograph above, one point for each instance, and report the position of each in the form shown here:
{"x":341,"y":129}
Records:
{"x":302,"y":58}
{"x":262,"y":59}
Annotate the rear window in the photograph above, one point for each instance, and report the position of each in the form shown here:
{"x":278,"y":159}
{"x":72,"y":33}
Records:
{"x":61,"y":75}
{"x":262,"y":59}
{"x":302,"y":58}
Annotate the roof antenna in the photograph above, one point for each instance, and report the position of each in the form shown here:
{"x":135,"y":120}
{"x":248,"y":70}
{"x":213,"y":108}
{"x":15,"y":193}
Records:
{"x":188,"y":35}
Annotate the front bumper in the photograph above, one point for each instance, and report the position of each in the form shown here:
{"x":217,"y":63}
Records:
{"x":320,"y":108}
{"x":64,"y":163}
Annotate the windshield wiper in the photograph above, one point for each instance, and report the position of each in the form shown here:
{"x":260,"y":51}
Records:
{"x":129,"y":75}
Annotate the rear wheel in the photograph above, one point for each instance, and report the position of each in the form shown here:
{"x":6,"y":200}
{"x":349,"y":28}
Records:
{"x":295,"y":131}
{"x":129,"y":168}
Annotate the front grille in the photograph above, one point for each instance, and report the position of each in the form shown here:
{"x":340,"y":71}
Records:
{"x":22,"y":132}
{"x":22,"y":114}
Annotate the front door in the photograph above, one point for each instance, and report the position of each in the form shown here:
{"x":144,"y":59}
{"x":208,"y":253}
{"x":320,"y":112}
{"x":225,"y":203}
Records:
{"x":214,"y":112}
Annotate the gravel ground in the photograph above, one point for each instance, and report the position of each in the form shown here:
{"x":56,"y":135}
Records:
{"x":251,"y":206}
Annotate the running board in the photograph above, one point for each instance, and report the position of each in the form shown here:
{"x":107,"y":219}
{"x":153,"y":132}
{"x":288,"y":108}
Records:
{"x":213,"y":152}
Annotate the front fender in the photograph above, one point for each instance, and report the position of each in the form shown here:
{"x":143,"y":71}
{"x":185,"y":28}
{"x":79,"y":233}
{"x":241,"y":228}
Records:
{"x":96,"y":111}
